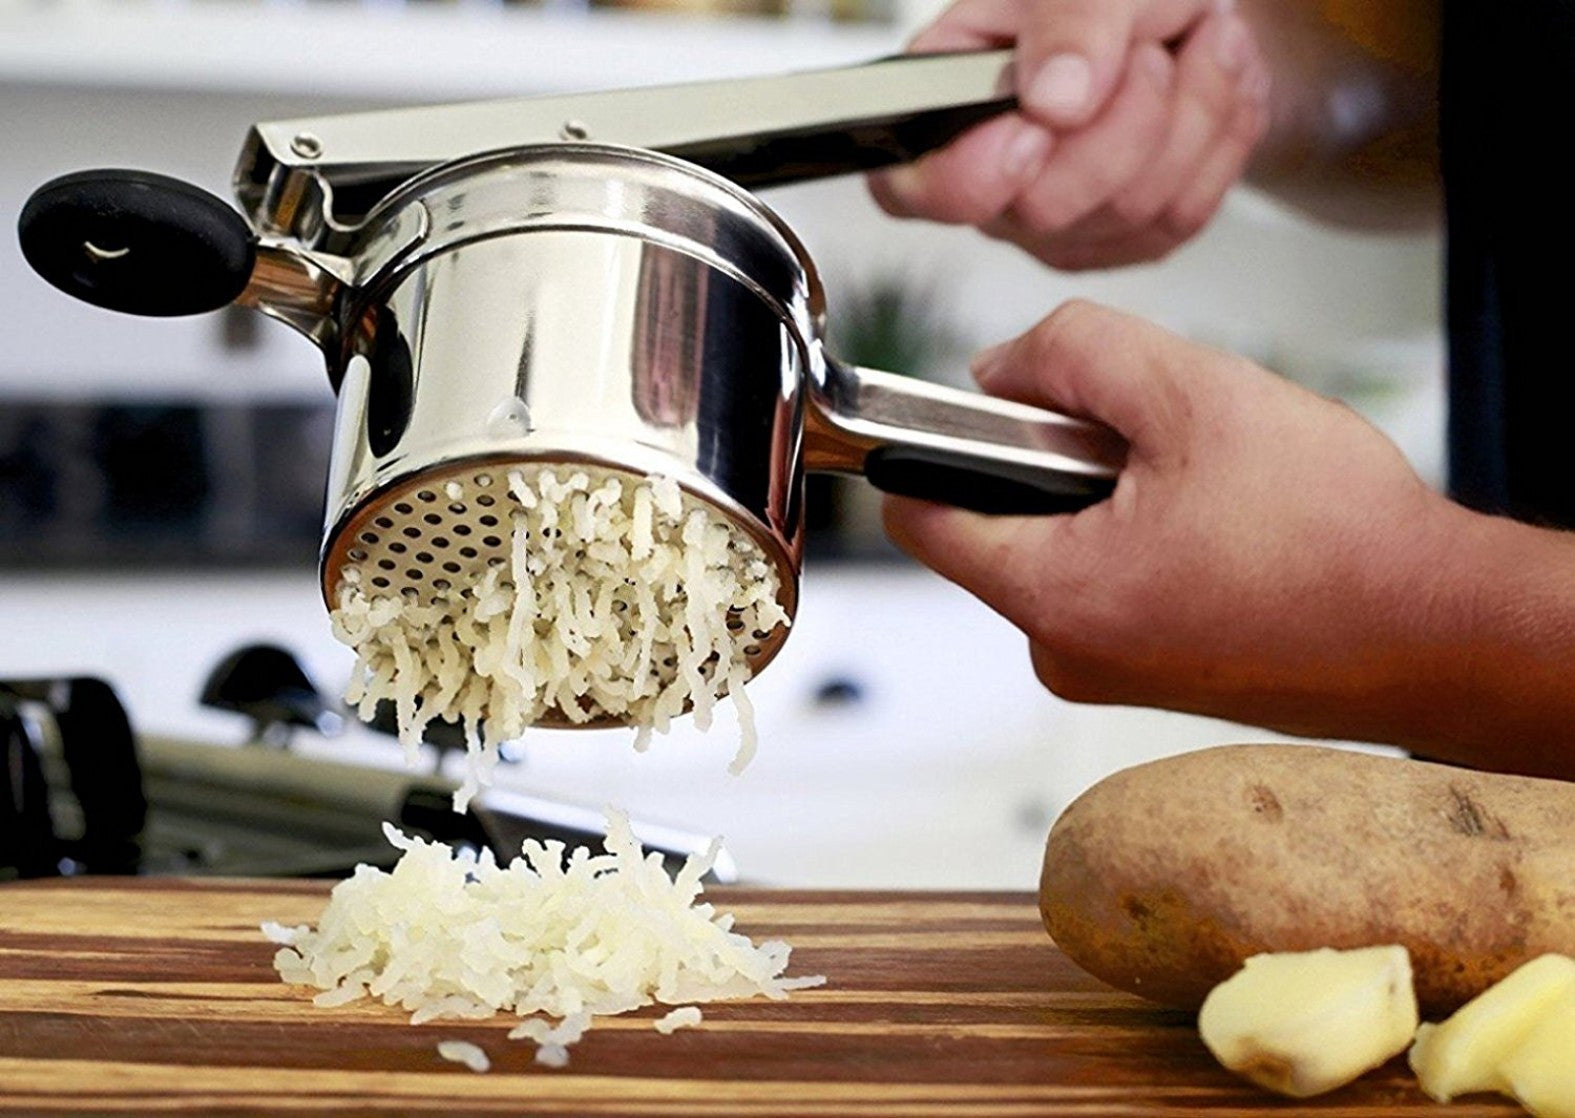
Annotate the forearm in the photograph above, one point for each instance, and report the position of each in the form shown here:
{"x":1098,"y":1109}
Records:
{"x":1504,"y":696}
{"x":1353,"y":135}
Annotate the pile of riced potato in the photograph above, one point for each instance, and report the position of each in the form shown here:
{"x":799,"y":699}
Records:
{"x":555,"y":938}
{"x":1316,"y":904}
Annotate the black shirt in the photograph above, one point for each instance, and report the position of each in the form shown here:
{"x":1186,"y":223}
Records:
{"x":1507,"y":115}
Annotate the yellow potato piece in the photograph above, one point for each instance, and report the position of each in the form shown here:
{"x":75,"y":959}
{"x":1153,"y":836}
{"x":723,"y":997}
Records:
{"x":1465,"y":1053}
{"x":1304,"y":1023}
{"x":1540,"y":1073}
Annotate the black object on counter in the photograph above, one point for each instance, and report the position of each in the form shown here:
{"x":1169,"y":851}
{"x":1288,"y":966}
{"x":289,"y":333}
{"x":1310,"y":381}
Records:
{"x":99,"y":759}
{"x":268,"y":685}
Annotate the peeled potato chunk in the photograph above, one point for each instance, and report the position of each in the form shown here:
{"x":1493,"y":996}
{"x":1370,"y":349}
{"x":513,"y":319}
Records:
{"x":1303,"y":1023}
{"x":1466,"y":1052}
{"x":1540,"y":1072}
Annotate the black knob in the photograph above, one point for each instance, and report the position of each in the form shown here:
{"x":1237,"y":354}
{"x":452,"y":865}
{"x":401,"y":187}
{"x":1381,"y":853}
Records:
{"x":137,"y":242}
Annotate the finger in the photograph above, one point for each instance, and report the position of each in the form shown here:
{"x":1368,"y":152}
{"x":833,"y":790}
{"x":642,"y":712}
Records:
{"x":1092,"y":164}
{"x":1071,"y":54}
{"x":1141,"y":246}
{"x":1201,"y":200}
{"x":1110,"y":240}
{"x":1208,"y":69}
{"x":971,"y":25}
{"x":969,"y":181}
{"x":996,"y":558}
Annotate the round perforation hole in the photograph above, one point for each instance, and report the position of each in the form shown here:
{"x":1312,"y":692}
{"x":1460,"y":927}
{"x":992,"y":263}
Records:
{"x":485,"y":499}
{"x":397,"y":547}
{"x":439,"y":542}
{"x":491,"y":541}
{"x":412,"y":532}
{"x":379,"y":581}
{"x":457,"y":509}
{"x":462,"y":529}
{"x":426,"y":495}
{"x":483,"y":480}
{"x":469,"y":552}
{"x":383,"y":522}
{"x":423,"y":557}
{"x":357,"y":554}
{"x":432,"y":518}
{"x":386,"y":564}
{"x":414,"y":574}
{"x":370,"y":537}
{"x":403,"y":509}
{"x":451,"y":567}
{"x":441,"y":584}
{"x":489,"y":521}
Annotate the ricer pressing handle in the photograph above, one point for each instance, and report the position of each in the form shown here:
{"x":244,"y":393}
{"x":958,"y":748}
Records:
{"x":966,"y":449}
{"x":756,"y":131}
{"x":137,"y":242}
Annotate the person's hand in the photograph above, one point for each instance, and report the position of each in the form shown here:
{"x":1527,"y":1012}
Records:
{"x":1135,"y":118}
{"x":1267,"y":556}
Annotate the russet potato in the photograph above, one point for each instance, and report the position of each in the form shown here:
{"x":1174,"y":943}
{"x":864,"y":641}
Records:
{"x":1164,"y":878}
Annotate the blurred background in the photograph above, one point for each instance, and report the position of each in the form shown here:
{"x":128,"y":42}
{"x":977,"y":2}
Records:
{"x":161,"y":482}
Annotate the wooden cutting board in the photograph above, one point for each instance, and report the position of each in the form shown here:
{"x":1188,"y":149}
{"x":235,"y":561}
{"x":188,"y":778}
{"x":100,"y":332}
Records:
{"x":156,"y":995}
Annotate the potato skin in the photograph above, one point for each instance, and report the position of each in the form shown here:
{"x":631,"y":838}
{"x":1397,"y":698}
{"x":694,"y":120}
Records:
{"x":1163,"y":878}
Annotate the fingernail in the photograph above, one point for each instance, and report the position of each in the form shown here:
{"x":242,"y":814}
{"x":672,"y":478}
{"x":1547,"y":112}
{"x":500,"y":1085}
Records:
{"x":987,"y":362}
{"x":1230,"y":48}
{"x":897,"y":187}
{"x":1062,"y":84}
{"x":1025,"y":152}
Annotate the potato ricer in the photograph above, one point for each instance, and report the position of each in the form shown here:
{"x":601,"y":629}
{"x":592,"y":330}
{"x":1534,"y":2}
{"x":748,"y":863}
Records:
{"x":582,"y":279}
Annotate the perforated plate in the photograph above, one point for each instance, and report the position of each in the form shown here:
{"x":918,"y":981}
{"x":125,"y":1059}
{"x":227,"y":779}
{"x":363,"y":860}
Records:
{"x":427,"y":537}
{"x":431,"y":537}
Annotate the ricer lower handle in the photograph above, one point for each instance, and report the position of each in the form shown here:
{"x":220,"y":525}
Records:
{"x":966,"y":449}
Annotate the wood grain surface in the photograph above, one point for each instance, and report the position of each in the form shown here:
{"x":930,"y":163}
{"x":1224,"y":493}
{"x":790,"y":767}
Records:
{"x":156,"y":996}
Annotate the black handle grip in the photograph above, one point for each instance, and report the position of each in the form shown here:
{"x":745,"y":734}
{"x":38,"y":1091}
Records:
{"x":968,"y":482}
{"x":137,"y":242}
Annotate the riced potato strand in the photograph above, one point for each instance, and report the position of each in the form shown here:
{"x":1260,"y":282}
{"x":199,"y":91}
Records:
{"x":620,"y":597}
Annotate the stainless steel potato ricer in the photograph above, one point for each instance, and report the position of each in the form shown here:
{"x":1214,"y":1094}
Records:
{"x":574,"y":279}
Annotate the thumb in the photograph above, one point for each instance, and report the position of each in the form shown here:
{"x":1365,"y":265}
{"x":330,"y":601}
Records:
{"x":1071,"y":54}
{"x":1096,"y":363}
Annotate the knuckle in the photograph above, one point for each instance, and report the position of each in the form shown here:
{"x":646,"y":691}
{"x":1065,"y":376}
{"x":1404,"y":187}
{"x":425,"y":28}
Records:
{"x":1134,"y":210}
{"x":1073,"y":260}
{"x":1070,"y":328}
{"x":1062,"y":677}
{"x":1185,"y":219}
{"x":1044,"y":213}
